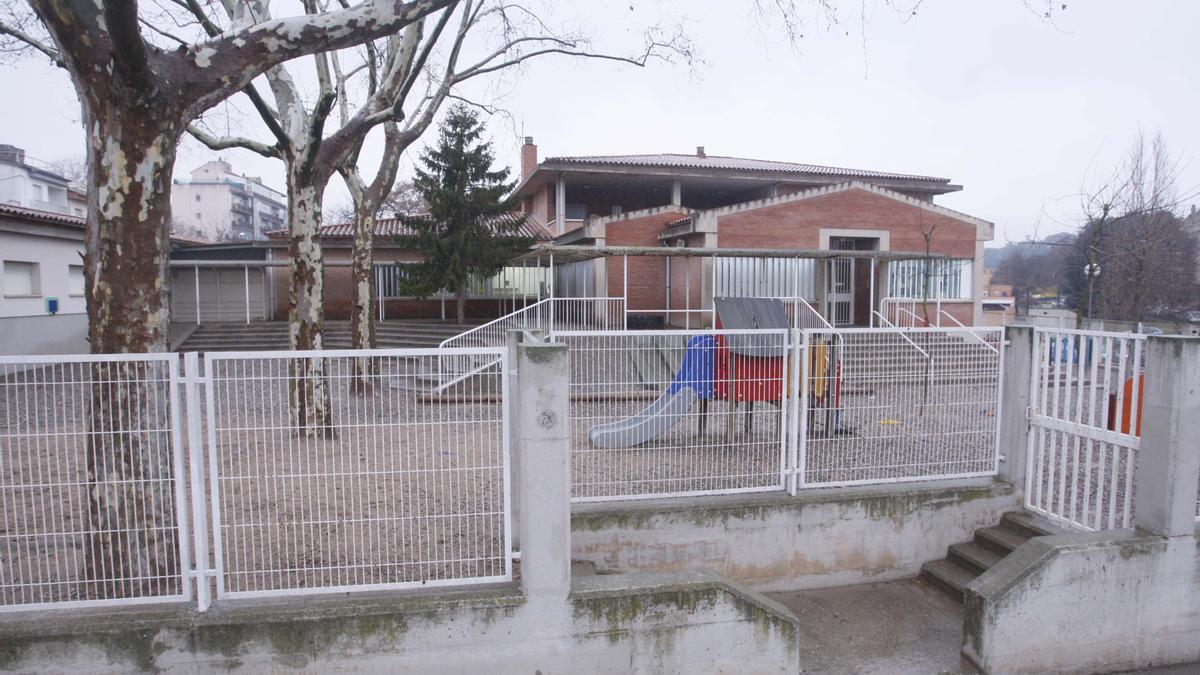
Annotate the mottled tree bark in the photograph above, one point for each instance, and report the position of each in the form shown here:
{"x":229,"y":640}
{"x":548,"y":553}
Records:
{"x":131,"y":549}
{"x":309,"y":390}
{"x":362,"y":319}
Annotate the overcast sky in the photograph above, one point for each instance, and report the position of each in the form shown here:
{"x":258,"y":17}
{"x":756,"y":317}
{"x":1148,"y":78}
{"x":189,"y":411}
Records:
{"x":1015,"y":109}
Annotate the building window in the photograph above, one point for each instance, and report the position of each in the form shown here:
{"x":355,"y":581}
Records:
{"x":21,"y":279}
{"x":197,"y":197}
{"x":75,"y":280}
{"x":937,"y":278}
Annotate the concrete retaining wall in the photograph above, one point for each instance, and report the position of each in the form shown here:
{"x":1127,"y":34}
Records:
{"x":610,"y":624}
{"x":1099,"y":602}
{"x":776,"y":542}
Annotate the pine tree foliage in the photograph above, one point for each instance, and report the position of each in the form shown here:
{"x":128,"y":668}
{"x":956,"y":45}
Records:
{"x":471,"y":230}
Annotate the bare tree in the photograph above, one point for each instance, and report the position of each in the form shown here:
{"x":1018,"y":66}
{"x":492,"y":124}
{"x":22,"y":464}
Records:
{"x":1127,"y":226}
{"x":138,"y":91}
{"x":508,"y":35}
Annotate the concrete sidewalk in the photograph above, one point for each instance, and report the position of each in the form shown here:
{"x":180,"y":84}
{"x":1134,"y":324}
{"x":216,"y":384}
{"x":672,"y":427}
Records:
{"x":904,"y":626}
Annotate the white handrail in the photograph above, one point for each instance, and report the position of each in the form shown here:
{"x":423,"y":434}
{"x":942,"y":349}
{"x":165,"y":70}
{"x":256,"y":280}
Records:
{"x":815,"y":313}
{"x":889,"y":324}
{"x":977,"y":336}
{"x":493,"y":322}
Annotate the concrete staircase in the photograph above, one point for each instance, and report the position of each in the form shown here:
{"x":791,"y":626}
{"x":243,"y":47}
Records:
{"x":968,"y":560}
{"x":273,"y":335}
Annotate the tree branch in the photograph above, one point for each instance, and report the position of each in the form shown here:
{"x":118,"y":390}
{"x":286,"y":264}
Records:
{"x":228,"y":142}
{"x":230,"y":61}
{"x":32,"y":42}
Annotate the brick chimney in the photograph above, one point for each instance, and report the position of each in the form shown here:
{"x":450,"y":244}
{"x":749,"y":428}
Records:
{"x":529,"y":158}
{"x":700,"y":151}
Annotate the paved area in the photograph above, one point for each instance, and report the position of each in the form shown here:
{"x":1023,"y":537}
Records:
{"x":904,"y":626}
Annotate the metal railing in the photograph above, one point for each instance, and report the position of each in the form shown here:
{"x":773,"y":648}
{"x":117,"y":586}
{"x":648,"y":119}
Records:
{"x":394,"y":485}
{"x":546,"y":315}
{"x":659,"y":413}
{"x":677,"y":413}
{"x":92,"y":490}
{"x":979,"y":338}
{"x":902,"y":312}
{"x":1085,"y":426}
{"x":303,"y":472}
{"x":888,"y":324}
{"x":873,"y":411}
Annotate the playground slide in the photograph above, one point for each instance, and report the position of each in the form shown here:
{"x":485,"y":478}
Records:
{"x":647,"y":424}
{"x":694,"y":380}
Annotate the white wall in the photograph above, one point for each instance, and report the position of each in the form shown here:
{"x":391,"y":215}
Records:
{"x":54,"y":257}
{"x":26,"y":335}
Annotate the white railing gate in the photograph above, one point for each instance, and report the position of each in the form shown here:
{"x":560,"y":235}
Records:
{"x":1084,"y":426}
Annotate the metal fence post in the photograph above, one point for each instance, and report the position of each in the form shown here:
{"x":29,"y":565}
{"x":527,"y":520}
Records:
{"x":195,"y":446}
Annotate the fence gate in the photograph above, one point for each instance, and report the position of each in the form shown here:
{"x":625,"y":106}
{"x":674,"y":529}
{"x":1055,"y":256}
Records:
{"x":1085,"y":412}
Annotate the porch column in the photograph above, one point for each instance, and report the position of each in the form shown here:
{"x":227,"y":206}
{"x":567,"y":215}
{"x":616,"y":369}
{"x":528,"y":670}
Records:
{"x":1168,"y":457}
{"x":676,"y":192}
{"x":560,"y":205}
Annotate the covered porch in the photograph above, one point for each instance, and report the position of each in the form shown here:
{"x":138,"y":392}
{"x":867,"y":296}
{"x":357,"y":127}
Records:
{"x":674,"y":287}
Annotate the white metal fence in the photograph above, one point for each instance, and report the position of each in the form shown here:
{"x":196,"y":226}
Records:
{"x":92,"y":500}
{"x":548,"y":315}
{"x":673,"y":413}
{"x":387,"y":480}
{"x":1085,"y":423}
{"x":397,"y":486}
{"x":893,"y":405}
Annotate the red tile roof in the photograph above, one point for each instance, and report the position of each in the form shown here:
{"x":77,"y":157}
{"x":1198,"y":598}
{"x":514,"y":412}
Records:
{"x":393,"y":227}
{"x":681,"y":161}
{"x":66,"y":220}
{"x":36,"y":215}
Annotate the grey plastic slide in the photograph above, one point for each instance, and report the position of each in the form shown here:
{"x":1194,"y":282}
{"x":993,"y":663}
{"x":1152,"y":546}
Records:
{"x":659,"y":416}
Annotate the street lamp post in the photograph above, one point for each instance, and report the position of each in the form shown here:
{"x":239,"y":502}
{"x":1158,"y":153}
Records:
{"x":1091,"y":271}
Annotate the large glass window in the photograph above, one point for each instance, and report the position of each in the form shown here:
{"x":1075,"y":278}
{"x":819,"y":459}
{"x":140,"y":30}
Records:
{"x":948,"y":279}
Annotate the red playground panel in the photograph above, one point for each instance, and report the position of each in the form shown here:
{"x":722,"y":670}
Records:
{"x":750,"y":378}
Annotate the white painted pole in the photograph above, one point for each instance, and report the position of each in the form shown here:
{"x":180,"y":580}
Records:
{"x":625,"y":285}
{"x":196,"y":279}
{"x":687,"y":296}
{"x":550,"y":328}
{"x":871,"y":307}
{"x":246,"y":288}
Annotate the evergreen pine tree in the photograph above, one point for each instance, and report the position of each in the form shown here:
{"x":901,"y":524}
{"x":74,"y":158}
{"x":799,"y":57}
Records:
{"x":472,"y":229}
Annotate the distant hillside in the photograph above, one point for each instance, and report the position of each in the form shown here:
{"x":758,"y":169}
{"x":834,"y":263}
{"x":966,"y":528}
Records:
{"x":993,"y":256}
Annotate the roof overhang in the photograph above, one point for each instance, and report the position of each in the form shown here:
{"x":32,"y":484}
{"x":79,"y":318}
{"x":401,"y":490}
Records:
{"x":568,"y":253}
{"x":549,"y":171}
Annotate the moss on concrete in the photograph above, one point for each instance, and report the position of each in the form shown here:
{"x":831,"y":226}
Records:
{"x":891,"y":504}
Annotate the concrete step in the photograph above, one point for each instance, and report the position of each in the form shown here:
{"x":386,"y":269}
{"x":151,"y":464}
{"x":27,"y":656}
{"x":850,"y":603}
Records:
{"x":974,"y":557}
{"x":1028,"y":524}
{"x":999,"y":539}
{"x":948,"y":576}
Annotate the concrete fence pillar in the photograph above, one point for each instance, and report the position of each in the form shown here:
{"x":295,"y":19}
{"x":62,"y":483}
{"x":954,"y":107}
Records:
{"x":1168,"y":458}
{"x":1017,"y":371}
{"x":512,"y":340}
{"x":544,"y":450}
